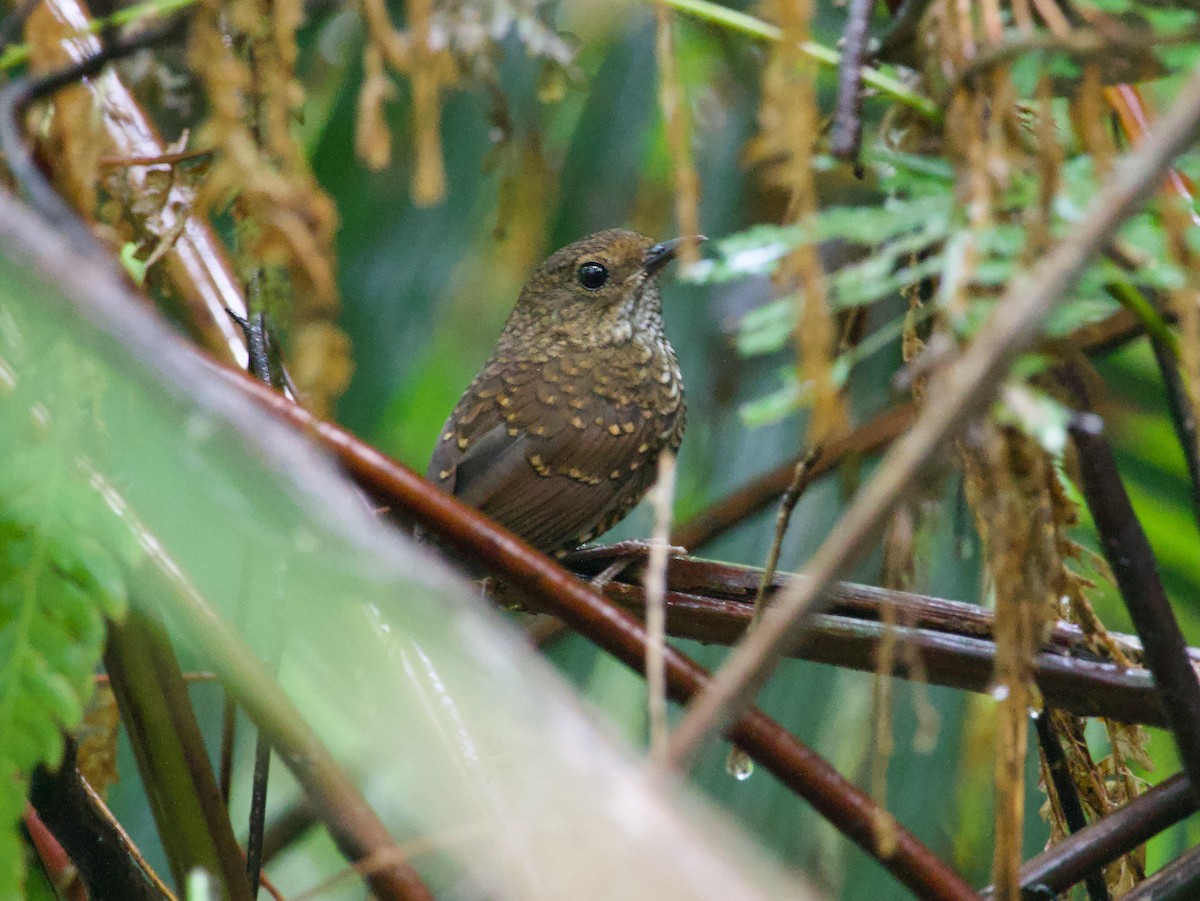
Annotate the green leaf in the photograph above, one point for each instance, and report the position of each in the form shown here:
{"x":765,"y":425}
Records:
{"x":57,"y":585}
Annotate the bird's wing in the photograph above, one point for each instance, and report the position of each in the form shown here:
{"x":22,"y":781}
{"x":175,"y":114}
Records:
{"x":542,"y":453}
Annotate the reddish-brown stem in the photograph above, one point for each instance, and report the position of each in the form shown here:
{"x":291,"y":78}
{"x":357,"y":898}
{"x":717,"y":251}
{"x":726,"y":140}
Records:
{"x":1135,"y":118}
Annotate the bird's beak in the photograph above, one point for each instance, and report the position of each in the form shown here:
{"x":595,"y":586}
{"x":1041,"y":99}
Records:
{"x":665,"y":251}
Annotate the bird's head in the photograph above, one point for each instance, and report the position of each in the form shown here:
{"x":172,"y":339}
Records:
{"x":601,"y":290}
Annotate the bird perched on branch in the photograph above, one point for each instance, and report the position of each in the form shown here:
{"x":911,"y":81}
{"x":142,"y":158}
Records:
{"x":558,"y":436}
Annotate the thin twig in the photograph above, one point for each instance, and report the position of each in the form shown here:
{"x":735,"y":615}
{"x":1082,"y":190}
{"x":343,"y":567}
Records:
{"x":846,"y":138}
{"x":1068,"y":795}
{"x":258,"y":811}
{"x":258,"y":347}
{"x":228,"y":737}
{"x":169,"y":158}
{"x":801,"y":479}
{"x":656,"y":617}
{"x":965,"y":386}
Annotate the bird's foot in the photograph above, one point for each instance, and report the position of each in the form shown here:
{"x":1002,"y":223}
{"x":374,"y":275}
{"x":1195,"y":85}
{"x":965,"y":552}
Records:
{"x":619,"y":556}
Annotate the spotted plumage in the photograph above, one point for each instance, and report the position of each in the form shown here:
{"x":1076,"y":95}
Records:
{"x":557,"y":436}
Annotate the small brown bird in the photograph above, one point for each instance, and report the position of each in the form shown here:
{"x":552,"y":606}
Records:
{"x":558,"y":436}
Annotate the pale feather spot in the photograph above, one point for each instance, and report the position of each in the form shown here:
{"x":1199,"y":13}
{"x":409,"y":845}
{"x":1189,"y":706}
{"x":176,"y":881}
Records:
{"x":643,"y":447}
{"x":578,"y":423}
{"x":444,"y":474}
{"x":503,"y":400}
{"x":614,"y":429}
{"x":513,"y":432}
{"x":627,"y":428}
{"x":615,"y":474}
{"x":447,"y":436}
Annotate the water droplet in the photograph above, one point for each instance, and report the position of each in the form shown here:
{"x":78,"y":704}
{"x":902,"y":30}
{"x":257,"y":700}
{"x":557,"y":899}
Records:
{"x":739,"y":765}
{"x":1000,"y":692}
{"x":1088,"y":423}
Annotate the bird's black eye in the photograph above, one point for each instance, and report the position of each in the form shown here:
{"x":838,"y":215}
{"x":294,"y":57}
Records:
{"x":592,"y":276}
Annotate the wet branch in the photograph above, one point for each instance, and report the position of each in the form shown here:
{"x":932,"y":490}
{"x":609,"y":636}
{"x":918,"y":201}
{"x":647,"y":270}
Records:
{"x":713,"y":603}
{"x":1177,"y":881}
{"x":1128,"y":552}
{"x":1072,"y":859}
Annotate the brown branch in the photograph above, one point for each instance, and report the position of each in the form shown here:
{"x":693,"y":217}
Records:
{"x":1069,"y":862}
{"x":1128,"y":552}
{"x":961,"y":390}
{"x":545,"y":583}
{"x":1177,"y":881}
{"x":713,"y":603}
